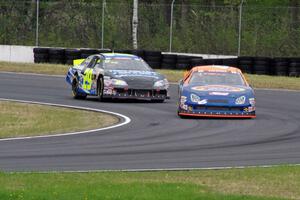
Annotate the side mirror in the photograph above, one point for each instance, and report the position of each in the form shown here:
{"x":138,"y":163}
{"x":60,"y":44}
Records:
{"x":180,"y":81}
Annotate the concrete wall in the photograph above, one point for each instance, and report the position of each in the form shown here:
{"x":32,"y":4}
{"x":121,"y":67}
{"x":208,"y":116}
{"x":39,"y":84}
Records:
{"x":13,"y":53}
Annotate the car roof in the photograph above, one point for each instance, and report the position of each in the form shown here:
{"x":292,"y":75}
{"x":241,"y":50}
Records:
{"x":216,"y":68}
{"x":119,"y":55}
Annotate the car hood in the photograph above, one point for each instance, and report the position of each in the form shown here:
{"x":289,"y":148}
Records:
{"x":133,"y":73}
{"x":136,"y":79}
{"x":219,"y":90}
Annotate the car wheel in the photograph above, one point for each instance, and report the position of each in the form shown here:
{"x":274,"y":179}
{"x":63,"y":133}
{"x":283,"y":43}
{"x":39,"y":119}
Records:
{"x":100,"y":89}
{"x":75,"y":87}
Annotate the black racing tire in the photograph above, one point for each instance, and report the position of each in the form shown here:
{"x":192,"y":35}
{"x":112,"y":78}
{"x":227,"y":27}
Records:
{"x":168,"y":66}
{"x":75,"y":93}
{"x":41,"y":56}
{"x":152,"y":53}
{"x":41,"y":50}
{"x":154,"y":65}
{"x":100,"y":86}
{"x":72,"y":52}
{"x":57,"y":51}
{"x":153,"y":58}
{"x":169,"y":61}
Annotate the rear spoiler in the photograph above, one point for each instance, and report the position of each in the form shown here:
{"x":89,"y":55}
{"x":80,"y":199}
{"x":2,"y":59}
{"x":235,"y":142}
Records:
{"x":78,"y":61}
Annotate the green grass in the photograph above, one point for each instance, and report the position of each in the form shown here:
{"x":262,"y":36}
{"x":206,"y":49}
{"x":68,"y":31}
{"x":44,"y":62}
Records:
{"x":18,"y":119}
{"x":232,"y":184}
{"x":257,"y":81}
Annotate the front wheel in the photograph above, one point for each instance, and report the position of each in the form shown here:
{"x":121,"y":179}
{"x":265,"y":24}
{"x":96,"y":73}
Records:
{"x":75,"y":89}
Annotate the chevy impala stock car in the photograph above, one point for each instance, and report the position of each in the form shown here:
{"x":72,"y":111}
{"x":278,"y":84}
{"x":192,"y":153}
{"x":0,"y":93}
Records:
{"x":122,"y":76}
{"x":216,"y":91}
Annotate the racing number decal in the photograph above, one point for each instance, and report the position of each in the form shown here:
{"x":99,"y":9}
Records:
{"x":87,"y":79}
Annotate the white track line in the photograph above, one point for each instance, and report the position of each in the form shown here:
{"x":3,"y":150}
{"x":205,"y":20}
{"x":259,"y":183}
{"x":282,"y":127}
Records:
{"x":125,"y":118}
{"x":157,"y":169}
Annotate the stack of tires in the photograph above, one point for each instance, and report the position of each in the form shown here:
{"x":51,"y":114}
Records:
{"x":214,"y":61}
{"x":84,"y":53}
{"x":245,"y":64}
{"x":138,"y":52}
{"x":294,"y":67}
{"x":280,"y":66}
{"x":261,"y":65}
{"x":72,"y":54}
{"x":232,"y":62}
{"x":199,"y":61}
{"x":183,"y":62}
{"x":57,"y":55}
{"x":169,"y":61}
{"x":41,"y":55}
{"x":153,"y":58}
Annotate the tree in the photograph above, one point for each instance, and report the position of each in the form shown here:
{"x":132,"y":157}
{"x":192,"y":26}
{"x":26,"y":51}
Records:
{"x":135,"y":24}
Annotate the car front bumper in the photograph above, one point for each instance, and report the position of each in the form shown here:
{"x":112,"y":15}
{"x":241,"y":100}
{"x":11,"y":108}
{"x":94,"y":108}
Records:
{"x":141,"y":94}
{"x":219,"y":112}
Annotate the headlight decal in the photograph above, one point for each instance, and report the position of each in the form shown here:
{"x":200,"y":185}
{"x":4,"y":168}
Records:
{"x":163,"y":84}
{"x":240,"y":100}
{"x":195,"y":98}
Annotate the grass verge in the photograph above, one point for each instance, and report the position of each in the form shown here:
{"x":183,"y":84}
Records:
{"x":257,"y":81}
{"x":18,"y":119}
{"x":231,"y":184}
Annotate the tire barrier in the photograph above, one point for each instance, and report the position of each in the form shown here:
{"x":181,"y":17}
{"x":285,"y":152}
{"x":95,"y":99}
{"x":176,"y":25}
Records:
{"x":41,"y":55}
{"x":57,"y":55}
{"x":279,"y":66}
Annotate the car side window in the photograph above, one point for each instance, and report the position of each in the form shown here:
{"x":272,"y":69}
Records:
{"x":93,"y":62}
{"x":87,"y":61}
{"x":99,"y":63}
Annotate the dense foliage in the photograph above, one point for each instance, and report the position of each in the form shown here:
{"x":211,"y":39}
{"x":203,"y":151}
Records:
{"x":269,"y":28}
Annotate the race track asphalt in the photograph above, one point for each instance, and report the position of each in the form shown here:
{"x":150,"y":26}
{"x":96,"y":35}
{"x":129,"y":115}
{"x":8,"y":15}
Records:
{"x":156,"y":138}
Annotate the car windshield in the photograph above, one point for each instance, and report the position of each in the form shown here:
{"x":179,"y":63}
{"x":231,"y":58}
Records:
{"x":217,"y":78}
{"x":126,"y":64}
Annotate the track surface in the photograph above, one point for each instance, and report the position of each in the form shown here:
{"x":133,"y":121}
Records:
{"x":156,"y":138}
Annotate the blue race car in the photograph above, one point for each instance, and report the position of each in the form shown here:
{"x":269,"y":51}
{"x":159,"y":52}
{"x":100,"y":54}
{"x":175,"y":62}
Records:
{"x":216,"y":91}
{"x":111,"y":75}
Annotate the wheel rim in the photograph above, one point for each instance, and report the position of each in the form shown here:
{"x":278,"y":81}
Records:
{"x":74,"y":87}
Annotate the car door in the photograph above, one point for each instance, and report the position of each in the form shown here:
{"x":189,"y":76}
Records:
{"x":90,"y":75}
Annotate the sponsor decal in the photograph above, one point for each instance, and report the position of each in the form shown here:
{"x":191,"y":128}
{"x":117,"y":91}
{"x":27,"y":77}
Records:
{"x":218,"y":88}
{"x":219,"y":93}
{"x":251,"y":108}
{"x":108,"y":91}
{"x":252,"y":101}
{"x":183,"y":99}
{"x":183,"y":106}
{"x":204,"y":101}
{"x":122,"y":73}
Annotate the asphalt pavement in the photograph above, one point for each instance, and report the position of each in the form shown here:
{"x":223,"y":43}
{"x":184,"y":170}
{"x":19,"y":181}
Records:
{"x":156,"y":138}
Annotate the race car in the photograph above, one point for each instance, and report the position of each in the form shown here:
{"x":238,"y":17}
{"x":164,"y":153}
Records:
{"x":216,"y":91}
{"x":112,"y":75}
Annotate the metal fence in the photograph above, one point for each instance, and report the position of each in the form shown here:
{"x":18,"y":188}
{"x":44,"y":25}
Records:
{"x":265,"y":31}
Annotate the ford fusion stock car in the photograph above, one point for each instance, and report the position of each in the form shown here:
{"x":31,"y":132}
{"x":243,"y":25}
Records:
{"x":111,"y":75}
{"x":216,"y":91}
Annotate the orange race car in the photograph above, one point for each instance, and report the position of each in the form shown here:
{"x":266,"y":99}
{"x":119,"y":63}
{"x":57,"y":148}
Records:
{"x":216,"y":91}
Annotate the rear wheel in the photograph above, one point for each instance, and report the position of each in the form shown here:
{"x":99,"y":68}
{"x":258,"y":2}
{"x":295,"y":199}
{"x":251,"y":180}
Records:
{"x":100,"y":88}
{"x":75,"y":89}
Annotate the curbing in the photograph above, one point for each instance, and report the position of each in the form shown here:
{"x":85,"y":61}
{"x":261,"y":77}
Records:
{"x":124,"y":119}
